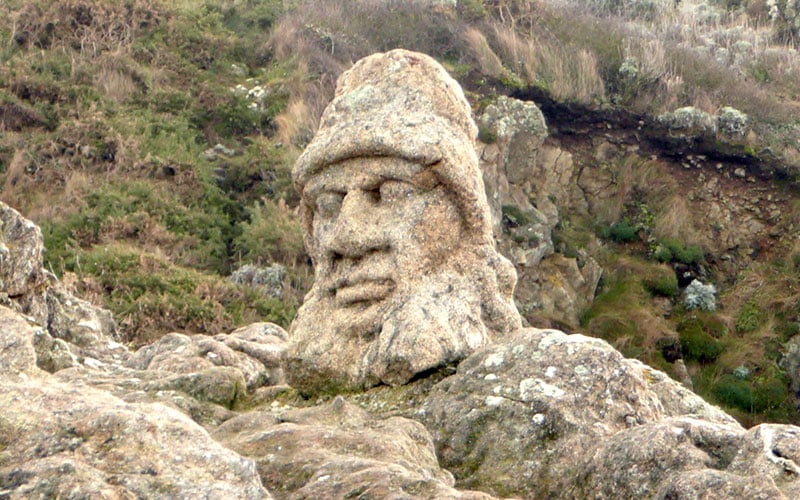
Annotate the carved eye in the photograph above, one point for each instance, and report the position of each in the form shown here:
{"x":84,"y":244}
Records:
{"x":396,"y":190}
{"x":328,"y":204}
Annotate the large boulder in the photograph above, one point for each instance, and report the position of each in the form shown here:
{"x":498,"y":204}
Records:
{"x":68,"y":440}
{"x":547,"y":414}
{"x":22,"y":277}
{"x":74,"y":331}
{"x":255,"y":351}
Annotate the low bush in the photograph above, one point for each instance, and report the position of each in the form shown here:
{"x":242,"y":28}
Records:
{"x":700,"y":296}
{"x":624,"y":232}
{"x":670,"y":250}
{"x":733,"y":392}
{"x":271,"y":235}
{"x":696,"y":343}
{"x":150,"y":296}
{"x":661,"y":281}
{"x":750,"y":317}
{"x":766,"y":395}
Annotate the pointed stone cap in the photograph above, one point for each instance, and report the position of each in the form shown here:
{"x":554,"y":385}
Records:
{"x":402,"y":104}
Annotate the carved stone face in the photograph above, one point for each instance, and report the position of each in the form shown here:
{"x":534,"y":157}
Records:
{"x":379,"y":225}
{"x":395,"y":217}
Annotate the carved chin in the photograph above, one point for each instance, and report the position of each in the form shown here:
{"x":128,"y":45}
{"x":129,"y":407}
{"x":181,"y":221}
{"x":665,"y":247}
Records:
{"x":336,"y":349}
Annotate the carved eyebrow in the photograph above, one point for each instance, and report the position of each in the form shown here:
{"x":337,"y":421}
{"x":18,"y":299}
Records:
{"x":318,"y":185}
{"x":335,"y":179}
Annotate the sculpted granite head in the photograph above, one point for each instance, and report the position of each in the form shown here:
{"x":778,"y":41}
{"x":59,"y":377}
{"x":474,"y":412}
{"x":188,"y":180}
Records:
{"x":395,"y":218}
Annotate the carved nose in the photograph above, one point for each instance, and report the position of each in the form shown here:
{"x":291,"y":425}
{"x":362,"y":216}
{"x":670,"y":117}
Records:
{"x":358,"y":229}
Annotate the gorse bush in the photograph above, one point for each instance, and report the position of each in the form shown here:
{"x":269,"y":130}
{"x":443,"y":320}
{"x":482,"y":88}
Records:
{"x":149,"y":296}
{"x":750,"y":318}
{"x":624,"y":232}
{"x":661,"y":281}
{"x":670,"y":250}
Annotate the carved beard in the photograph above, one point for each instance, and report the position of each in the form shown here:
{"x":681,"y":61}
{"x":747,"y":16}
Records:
{"x":426,"y":324}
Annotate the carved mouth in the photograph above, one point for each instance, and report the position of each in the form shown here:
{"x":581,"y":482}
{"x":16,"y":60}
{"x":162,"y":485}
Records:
{"x":349,"y":293}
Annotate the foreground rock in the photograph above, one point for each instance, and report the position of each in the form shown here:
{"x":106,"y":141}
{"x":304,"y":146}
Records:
{"x":566,"y":416}
{"x":74,"y":331}
{"x":409,"y":285}
{"x":339,"y":451}
{"x":60,"y":440}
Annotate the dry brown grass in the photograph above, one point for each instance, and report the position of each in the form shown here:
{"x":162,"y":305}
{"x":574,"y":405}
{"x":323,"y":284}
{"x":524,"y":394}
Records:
{"x":115,"y":84}
{"x":482,"y":55}
{"x":89,"y":26}
{"x":674,"y":219}
{"x":569,"y":73}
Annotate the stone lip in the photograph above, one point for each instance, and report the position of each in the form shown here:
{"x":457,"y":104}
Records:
{"x":362,"y":291}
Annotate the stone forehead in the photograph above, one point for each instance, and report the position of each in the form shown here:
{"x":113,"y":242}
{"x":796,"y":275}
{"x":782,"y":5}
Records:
{"x":398,"y":103}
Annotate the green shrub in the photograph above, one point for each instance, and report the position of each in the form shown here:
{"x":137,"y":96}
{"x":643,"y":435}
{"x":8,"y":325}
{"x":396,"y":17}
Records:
{"x":733,"y":392}
{"x":770,"y":394}
{"x":624,"y":232}
{"x":229,"y":115}
{"x":513,"y":216}
{"x":696,"y":343}
{"x":661,"y":281}
{"x":271,"y":235}
{"x":764,"y":395}
{"x":487,"y":135}
{"x":750,"y":318}
{"x":670,"y":250}
{"x":700,"y":296}
{"x":150,"y":297}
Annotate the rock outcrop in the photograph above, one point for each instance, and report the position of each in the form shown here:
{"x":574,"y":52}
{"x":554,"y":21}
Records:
{"x":527,"y":181}
{"x":526,"y":413}
{"x":85,"y":417}
{"x":74,"y":330}
{"x":338,"y":450}
{"x":63,"y":440}
{"x":553,"y":415}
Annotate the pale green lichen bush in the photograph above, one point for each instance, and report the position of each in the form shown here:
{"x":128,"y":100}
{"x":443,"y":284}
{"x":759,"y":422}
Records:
{"x":700,"y":296}
{"x":688,"y":118}
{"x":731,"y":121}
